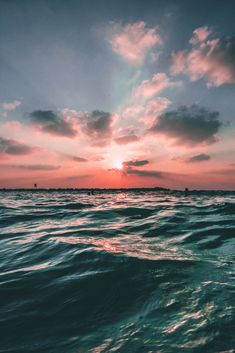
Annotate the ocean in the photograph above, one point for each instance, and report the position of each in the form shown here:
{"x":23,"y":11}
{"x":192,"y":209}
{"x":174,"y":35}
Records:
{"x":128,"y":272}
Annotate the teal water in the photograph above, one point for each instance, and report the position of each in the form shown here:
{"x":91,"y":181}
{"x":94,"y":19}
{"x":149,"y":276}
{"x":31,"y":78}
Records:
{"x":117,"y":272}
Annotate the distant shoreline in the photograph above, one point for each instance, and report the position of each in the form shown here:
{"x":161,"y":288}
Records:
{"x":86,"y":189}
{"x":107,"y":190}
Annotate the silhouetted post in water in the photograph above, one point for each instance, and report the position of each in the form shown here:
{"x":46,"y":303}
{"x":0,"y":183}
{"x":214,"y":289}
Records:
{"x":35,"y":186}
{"x":186,"y":191}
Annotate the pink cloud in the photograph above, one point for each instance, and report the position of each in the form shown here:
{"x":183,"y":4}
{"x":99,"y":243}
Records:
{"x":11,"y":105}
{"x":153,"y":109}
{"x":134,"y":41}
{"x":132,"y":111}
{"x":127,"y":135}
{"x":179,"y":62}
{"x":200,"y":35}
{"x":126,"y":139}
{"x":147,"y":112}
{"x":12,"y":125}
{"x":149,"y":88}
{"x":71,"y":115}
{"x":213,"y":60}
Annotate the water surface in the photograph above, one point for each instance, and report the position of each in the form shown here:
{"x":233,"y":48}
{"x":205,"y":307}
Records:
{"x":136,"y":272}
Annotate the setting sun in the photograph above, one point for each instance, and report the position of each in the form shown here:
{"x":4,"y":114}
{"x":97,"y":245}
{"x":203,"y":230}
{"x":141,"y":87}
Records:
{"x":118,"y":165}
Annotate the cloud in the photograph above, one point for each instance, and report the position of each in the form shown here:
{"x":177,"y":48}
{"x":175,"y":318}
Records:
{"x":134,"y":41}
{"x":74,"y":158}
{"x":200,"y":35}
{"x":79,"y":177}
{"x":51,"y":123}
{"x":98,"y":127}
{"x":125,"y":139}
{"x":15,"y":148}
{"x":146,"y":173}
{"x":11,"y":105}
{"x":97,"y":158}
{"x":144,"y":106}
{"x":188,"y":125}
{"x":32,"y":167}
{"x":132,"y":111}
{"x":136,"y":163}
{"x":149,"y":88}
{"x":153,"y":109}
{"x":3,"y":115}
{"x":198,"y":158}
{"x":129,"y":170}
{"x":79,"y":159}
{"x":147,"y":112}
{"x":127,"y":165}
{"x":224,"y":171}
{"x":213,"y":60}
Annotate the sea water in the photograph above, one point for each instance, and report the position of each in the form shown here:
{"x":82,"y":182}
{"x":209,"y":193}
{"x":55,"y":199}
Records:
{"x":149,"y":272}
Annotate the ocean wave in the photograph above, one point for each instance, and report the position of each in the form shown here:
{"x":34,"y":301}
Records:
{"x":117,"y":272}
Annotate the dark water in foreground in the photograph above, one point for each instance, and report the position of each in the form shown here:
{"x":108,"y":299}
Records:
{"x":123,"y":272}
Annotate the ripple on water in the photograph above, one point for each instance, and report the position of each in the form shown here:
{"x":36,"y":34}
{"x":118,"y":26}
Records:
{"x":118,"y":272}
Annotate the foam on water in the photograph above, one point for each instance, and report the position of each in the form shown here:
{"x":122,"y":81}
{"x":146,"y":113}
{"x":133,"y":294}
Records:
{"x":117,"y":272}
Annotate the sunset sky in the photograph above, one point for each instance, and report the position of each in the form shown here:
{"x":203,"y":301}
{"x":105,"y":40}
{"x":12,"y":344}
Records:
{"x":117,"y":93}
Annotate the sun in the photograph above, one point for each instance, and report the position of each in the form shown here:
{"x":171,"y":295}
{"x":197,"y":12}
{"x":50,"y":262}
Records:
{"x":118,"y":165}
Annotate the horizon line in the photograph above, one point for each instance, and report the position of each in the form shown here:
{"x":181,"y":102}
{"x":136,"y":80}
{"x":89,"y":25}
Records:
{"x":114,"y":189}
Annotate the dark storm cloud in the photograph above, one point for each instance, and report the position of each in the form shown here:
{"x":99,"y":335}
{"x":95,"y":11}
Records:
{"x":136,"y":163}
{"x":124,"y":140}
{"x":13,"y":147}
{"x":98,"y":126}
{"x":188,"y":125}
{"x":198,"y":158}
{"x":51,"y":123}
